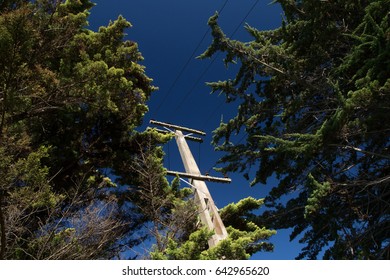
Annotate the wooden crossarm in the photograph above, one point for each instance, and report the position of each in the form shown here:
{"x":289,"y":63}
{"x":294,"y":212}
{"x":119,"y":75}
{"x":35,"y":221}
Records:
{"x":182,"y":128}
{"x":200,"y":177}
{"x":188,"y":137}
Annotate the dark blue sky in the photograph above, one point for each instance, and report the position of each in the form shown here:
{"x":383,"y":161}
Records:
{"x":167,"y":33}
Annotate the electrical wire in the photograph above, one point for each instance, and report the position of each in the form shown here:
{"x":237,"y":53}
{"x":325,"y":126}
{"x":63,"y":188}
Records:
{"x":246,"y":16}
{"x":196,"y":83}
{"x":186,"y":64}
{"x":223,"y":101}
{"x":212,"y":62}
{"x":206,"y":69}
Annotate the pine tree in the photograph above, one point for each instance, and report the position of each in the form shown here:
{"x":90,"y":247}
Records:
{"x":246,"y":236}
{"x":314,"y":99}
{"x":70,"y":100}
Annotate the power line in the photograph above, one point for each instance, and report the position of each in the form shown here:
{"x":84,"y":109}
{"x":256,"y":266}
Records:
{"x":206,"y":69}
{"x":215,"y":111}
{"x":246,"y":16}
{"x":220,"y":105}
{"x":196,"y":83}
{"x":215,"y":57}
{"x":186,"y":64}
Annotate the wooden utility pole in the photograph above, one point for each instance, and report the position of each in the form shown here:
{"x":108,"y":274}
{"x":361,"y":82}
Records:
{"x":208,"y":212}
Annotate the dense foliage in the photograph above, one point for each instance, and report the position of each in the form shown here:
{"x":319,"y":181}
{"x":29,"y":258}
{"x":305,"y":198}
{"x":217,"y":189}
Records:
{"x":174,"y":223}
{"x":314,"y":104}
{"x":77,"y":181}
{"x":70,"y":99}
{"x":245,"y":237}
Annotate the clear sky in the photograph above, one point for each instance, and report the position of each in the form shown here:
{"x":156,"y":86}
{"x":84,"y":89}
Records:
{"x":168,"y":32}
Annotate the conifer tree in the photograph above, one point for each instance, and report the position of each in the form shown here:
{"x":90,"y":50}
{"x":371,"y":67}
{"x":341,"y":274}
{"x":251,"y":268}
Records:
{"x":314,"y":105}
{"x":70,"y":100}
{"x":246,"y":236}
{"x":77,"y":181}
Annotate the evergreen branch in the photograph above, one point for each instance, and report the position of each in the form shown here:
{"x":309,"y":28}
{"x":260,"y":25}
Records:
{"x":255,"y":58}
{"x":360,"y":150}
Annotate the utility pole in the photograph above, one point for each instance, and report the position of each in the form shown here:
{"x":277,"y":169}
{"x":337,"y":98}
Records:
{"x":208,"y":212}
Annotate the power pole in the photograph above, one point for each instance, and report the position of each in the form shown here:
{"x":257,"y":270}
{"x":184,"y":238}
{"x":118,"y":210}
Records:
{"x":208,"y":212}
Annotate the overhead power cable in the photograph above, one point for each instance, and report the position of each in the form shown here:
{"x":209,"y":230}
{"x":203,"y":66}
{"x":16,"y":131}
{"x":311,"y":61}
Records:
{"x":212,"y":62}
{"x":223,"y":101}
{"x":244,"y":19}
{"x":169,"y":91}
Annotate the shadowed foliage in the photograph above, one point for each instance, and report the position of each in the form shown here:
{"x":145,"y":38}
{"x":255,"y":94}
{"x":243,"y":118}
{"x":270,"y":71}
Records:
{"x":314,"y":105}
{"x":70,"y":100}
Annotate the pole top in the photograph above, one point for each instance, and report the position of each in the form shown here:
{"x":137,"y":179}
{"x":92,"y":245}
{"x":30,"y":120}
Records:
{"x":178,"y":127}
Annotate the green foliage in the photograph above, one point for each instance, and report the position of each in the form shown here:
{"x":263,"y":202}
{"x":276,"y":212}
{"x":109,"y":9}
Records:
{"x":70,"y":100}
{"x":190,"y":250}
{"x":314,"y":99}
{"x":319,"y":192}
{"x":27,"y":182}
{"x":245,"y":237}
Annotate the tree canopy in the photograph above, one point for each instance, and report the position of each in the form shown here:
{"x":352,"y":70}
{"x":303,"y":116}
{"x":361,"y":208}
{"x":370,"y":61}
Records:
{"x":70,"y":100}
{"x":77,"y":180}
{"x":246,"y":236}
{"x":314,"y":106}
